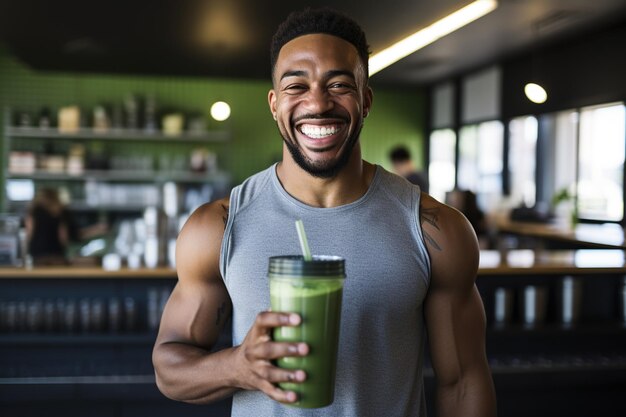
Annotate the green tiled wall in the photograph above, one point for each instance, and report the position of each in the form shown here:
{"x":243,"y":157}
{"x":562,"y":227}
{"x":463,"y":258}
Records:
{"x":396,"y":117}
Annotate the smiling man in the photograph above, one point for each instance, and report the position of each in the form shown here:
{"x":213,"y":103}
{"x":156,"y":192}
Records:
{"x":411,"y":262}
{"x":319,"y":108}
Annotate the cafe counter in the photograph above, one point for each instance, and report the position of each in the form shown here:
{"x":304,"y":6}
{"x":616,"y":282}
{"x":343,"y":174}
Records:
{"x":77,"y":341}
{"x":554,"y":235}
{"x":56,"y":272}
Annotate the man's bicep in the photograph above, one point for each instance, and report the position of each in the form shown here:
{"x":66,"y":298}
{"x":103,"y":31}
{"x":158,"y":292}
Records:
{"x":453,"y":308}
{"x":454,"y":314}
{"x":199,"y":305}
{"x":456,"y":330}
{"x":195,"y":313}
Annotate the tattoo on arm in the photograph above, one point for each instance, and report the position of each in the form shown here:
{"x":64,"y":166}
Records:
{"x":225,"y":215}
{"x":429,"y":216}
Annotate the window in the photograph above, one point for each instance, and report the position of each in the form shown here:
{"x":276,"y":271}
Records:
{"x":522,"y":156}
{"x":601,"y":163}
{"x":441,"y":167}
{"x":582,"y":152}
{"x":565,"y":151}
{"x":480,"y":162}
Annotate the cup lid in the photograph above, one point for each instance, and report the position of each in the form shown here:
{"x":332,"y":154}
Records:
{"x":320,"y":265}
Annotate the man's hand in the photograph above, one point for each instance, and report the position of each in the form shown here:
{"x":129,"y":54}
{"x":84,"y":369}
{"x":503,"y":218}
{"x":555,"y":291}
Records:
{"x":255,"y":355}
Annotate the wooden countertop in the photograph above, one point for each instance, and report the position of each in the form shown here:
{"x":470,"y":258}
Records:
{"x":62,"y":272}
{"x":552,"y":262}
{"x":512,"y":262}
{"x":607,"y":235}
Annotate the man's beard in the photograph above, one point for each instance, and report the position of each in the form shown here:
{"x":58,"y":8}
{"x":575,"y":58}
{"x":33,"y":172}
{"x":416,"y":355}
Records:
{"x":327,"y":169}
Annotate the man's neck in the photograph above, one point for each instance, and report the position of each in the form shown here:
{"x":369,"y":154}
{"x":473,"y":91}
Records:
{"x":350,"y":184}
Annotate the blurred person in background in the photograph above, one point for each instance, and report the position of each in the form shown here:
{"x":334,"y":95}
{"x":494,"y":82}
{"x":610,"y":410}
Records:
{"x":403,"y":165}
{"x":467,"y":203}
{"x":47,"y":228}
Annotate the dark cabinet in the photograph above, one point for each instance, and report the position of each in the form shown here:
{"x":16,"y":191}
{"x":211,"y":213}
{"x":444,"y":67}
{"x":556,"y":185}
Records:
{"x":556,"y":335}
{"x":77,"y":346}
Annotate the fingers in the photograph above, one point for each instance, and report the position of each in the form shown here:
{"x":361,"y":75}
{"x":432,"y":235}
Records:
{"x":268,"y":320}
{"x":262,"y":347}
{"x":276,"y":375}
{"x":258,"y":351}
{"x":277,"y":394}
{"x":269,"y":350}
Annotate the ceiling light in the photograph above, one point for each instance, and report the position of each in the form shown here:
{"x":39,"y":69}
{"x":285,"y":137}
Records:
{"x":430,"y":34}
{"x":220,"y":111}
{"x":535,"y":93}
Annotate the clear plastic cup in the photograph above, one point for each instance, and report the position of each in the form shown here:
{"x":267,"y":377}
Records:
{"x":313,"y":289}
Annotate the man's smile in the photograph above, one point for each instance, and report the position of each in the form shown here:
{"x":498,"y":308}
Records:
{"x":318,"y":131}
{"x":319,"y":135}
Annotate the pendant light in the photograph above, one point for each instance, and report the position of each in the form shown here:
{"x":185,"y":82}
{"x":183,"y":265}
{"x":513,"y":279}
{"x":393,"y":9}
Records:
{"x":535,"y":93}
{"x":220,"y":111}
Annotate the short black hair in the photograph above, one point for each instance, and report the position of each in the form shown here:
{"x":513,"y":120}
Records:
{"x":322,"y":20}
{"x":400,"y":154}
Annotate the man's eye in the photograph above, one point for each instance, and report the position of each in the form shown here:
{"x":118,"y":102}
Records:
{"x":294,"y":87}
{"x":341,"y":87}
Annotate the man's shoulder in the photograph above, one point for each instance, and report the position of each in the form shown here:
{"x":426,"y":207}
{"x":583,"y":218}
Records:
{"x":206,"y":219}
{"x":448,"y":236}
{"x":199,"y":242}
{"x":447,"y":219}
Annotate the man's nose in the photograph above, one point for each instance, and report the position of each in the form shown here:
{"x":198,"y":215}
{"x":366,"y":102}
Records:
{"x":319,"y":101}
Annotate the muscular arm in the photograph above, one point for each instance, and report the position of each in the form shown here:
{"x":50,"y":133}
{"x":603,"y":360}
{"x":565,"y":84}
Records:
{"x":454,"y":315}
{"x":185,"y":368}
{"x":195,"y":315}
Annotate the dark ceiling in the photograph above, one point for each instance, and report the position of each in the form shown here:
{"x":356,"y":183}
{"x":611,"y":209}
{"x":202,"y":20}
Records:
{"x":230,"y":38}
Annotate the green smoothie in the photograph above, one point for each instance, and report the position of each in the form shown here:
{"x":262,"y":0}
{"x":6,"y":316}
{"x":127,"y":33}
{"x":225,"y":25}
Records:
{"x":318,"y":301}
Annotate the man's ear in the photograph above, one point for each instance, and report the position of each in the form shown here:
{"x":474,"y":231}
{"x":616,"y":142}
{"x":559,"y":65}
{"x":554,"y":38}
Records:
{"x":271,"y":100}
{"x":368,"y":98}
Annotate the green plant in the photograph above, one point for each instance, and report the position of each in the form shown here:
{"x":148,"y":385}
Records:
{"x":562,"y":195}
{"x":565,"y":195}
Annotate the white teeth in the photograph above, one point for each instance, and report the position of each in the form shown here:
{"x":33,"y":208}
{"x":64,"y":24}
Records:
{"x":317,"y":132}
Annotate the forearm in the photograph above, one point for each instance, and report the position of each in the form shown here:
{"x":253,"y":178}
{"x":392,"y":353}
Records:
{"x":194,"y":375}
{"x":469,"y":396}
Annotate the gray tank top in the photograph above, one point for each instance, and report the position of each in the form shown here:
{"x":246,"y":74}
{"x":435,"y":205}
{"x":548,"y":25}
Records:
{"x":381,"y":347}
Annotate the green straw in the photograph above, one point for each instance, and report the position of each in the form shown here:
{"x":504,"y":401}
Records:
{"x":304,"y":245}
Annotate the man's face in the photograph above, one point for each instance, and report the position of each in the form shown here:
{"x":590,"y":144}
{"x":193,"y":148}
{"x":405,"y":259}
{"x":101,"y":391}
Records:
{"x":319,"y":100}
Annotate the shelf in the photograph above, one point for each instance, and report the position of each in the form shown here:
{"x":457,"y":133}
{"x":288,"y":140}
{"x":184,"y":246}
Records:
{"x":127,"y":175}
{"x":528,"y":262}
{"x":104,"y":379}
{"x":31,"y":340}
{"x":75,"y":339}
{"x":69,"y":272}
{"x":551,"y":364}
{"x":117,"y":134}
{"x":561,"y":363}
{"x":83,"y":207}
{"x":588,"y":329}
{"x":90,"y":208}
